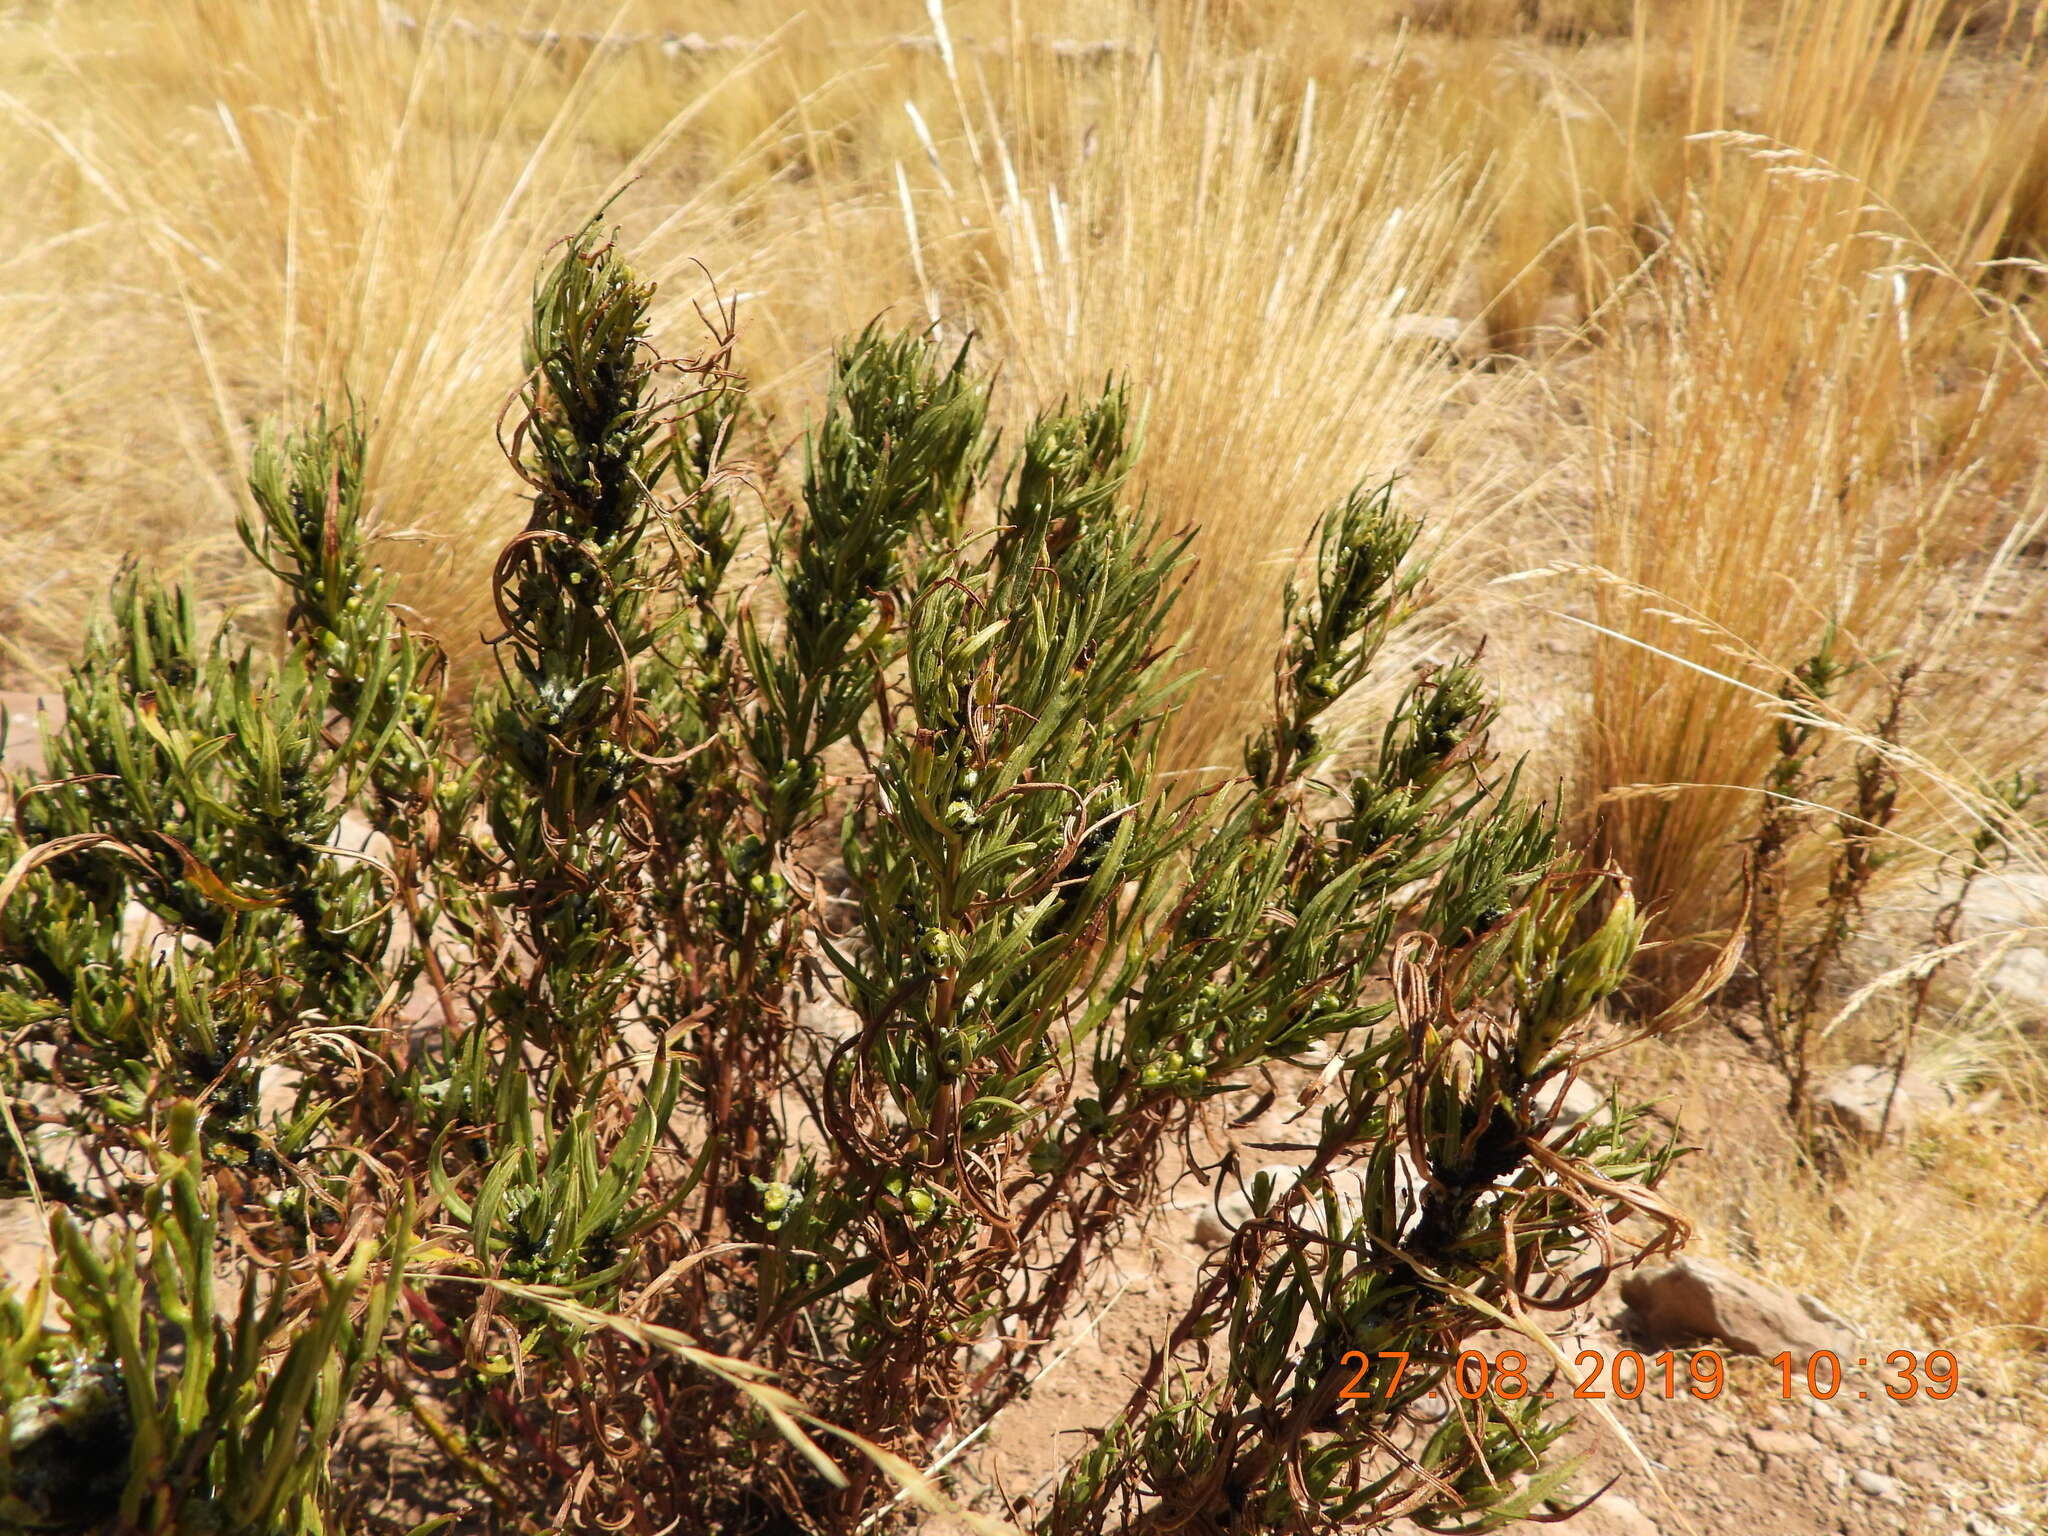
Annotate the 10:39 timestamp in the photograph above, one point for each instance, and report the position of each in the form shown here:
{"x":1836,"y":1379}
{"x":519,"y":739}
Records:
{"x":1906,"y":1374}
{"x":1628,"y":1375}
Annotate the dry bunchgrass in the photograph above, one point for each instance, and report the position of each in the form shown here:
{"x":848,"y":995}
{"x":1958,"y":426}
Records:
{"x":295,"y":196}
{"x":306,"y":201}
{"x":1243,"y":249}
{"x":1811,"y":429}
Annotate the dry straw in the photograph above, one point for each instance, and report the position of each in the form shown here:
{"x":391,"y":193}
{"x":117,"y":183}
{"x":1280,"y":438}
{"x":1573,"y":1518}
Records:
{"x":1810,"y":432}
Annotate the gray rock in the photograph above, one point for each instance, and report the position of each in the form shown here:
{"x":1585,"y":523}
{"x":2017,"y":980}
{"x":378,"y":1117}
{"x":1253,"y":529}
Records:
{"x":24,"y":1246}
{"x":26,"y":714}
{"x":1874,"y":1484}
{"x":1565,"y":1107}
{"x":1781,"y":1442}
{"x":2022,"y":975}
{"x":1615,"y":1515}
{"x":2000,"y":902}
{"x":1853,"y":1101}
{"x":1695,"y":1299}
{"x":2010,"y":902}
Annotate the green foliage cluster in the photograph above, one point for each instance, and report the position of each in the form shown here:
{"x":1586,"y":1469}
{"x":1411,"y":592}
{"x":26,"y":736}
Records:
{"x":753,"y":1024}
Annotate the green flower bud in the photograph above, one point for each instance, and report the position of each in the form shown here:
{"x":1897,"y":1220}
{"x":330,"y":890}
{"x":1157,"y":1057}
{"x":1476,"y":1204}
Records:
{"x":778,"y":1200}
{"x":1319,"y":685}
{"x":1591,"y":972}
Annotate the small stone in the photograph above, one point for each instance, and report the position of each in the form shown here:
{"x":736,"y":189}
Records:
{"x":356,"y":833}
{"x":1701,"y":1299}
{"x":277,"y":1091}
{"x":24,"y":1246}
{"x":1092,"y":48}
{"x":2022,"y":975}
{"x":828,"y":1017}
{"x":1747,"y":1027}
{"x":1921,"y":1474}
{"x":2006,"y":903}
{"x":25,"y":715}
{"x":1874,"y":1484}
{"x":1564,"y":1107}
{"x":1214,"y":1223}
{"x":1782,"y":1442}
{"x":2001,"y":901}
{"x":1615,"y":1514}
{"x":1853,"y":1100}
{"x":1559,"y":319}
{"x":1431,"y":1407}
{"x":1841,"y":1434}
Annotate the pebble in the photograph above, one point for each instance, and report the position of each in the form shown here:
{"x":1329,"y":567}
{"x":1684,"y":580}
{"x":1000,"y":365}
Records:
{"x":1843,"y":1437}
{"x":1925,"y":1473}
{"x":1781,"y":1442}
{"x":1618,"y":1515}
{"x":1432,"y":1408}
{"x":1875,"y":1484}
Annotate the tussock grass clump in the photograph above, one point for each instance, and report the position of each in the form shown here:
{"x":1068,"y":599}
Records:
{"x":1805,"y":446}
{"x":1243,"y":245}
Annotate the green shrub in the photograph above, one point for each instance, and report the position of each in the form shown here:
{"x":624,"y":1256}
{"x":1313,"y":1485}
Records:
{"x":531,"y":1069}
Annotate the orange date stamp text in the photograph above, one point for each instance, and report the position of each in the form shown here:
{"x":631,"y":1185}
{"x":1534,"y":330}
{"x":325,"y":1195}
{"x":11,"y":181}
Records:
{"x":1628,"y":1374}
